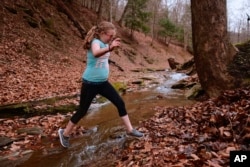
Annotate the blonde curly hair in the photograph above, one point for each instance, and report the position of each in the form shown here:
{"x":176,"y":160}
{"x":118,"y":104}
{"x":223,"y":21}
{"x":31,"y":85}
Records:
{"x":95,"y":31}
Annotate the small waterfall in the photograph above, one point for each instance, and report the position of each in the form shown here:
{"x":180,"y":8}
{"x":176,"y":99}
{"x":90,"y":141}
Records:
{"x":170,"y":79}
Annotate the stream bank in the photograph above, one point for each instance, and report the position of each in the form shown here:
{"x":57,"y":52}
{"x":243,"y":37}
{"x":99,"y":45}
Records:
{"x":101,"y":130}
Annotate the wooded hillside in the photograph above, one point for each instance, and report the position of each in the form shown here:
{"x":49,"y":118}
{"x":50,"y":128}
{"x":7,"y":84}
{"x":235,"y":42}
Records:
{"x":41,"y":54}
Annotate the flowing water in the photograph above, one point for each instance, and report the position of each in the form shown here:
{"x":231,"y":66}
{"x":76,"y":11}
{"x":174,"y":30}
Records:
{"x":106,"y":130}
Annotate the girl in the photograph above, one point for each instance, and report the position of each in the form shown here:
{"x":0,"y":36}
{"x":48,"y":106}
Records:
{"x":99,"y":42}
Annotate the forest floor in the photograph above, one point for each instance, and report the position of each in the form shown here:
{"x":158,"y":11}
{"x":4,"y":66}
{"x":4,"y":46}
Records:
{"x":202,"y":134}
{"x":48,"y":61}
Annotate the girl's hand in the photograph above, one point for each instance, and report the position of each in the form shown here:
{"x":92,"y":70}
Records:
{"x":115,"y":43}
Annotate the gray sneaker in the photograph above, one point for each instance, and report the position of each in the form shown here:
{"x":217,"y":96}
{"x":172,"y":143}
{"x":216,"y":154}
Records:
{"x":63,"y":139}
{"x":135,"y":133}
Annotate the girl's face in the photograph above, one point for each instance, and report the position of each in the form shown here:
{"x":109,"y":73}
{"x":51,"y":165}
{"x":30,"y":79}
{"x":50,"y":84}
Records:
{"x":108,"y":36}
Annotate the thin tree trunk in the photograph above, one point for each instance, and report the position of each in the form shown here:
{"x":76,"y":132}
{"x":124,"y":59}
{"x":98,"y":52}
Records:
{"x":120,"y":22}
{"x":99,"y":12}
{"x":110,"y":11}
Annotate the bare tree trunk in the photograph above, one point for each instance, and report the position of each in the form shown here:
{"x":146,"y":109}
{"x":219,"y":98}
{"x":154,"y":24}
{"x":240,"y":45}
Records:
{"x":168,"y":42}
{"x":89,"y":4}
{"x":124,"y":12}
{"x":185,"y":38}
{"x":65,"y":10}
{"x":156,"y":5}
{"x":93,"y":5}
{"x":86,"y":3}
{"x":212,"y":50}
{"x":110,"y":7}
{"x":103,"y":8}
{"x":97,"y":5}
{"x":115,"y":6}
{"x":99,"y":12}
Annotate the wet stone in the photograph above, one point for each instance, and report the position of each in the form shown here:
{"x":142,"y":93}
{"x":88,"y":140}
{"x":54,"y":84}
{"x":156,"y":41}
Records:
{"x":15,"y":158}
{"x":117,"y":135}
{"x":5,"y":141}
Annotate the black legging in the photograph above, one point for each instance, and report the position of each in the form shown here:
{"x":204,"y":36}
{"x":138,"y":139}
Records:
{"x":88,"y":92}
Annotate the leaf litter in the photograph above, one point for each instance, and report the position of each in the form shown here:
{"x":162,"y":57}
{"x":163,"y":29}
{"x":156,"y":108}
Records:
{"x":202,"y":134}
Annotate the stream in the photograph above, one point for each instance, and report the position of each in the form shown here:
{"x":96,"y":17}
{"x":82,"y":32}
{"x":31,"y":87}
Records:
{"x":106,"y":130}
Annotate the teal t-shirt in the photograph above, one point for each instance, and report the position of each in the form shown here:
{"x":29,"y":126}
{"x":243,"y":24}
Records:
{"x":97,"y":69}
